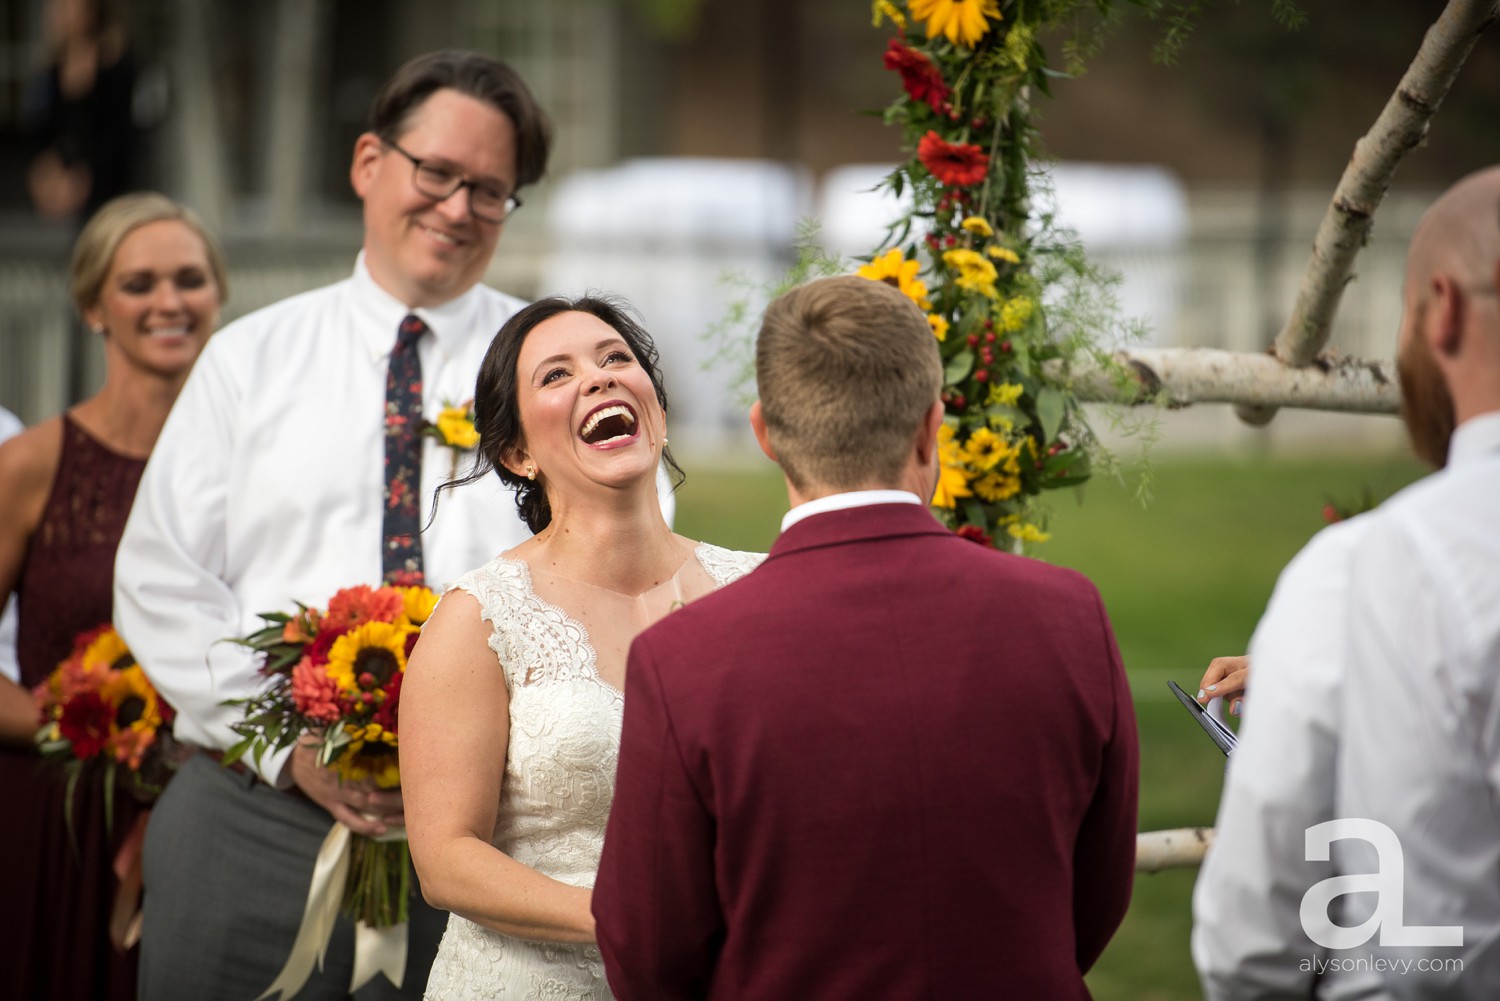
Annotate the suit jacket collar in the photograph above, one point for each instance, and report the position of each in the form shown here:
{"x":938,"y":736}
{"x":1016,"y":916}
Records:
{"x":876,"y":521}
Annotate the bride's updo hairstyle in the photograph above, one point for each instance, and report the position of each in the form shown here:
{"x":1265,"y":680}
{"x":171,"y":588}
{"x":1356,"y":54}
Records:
{"x":497,"y":411}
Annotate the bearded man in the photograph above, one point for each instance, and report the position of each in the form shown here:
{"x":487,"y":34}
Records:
{"x":1371,"y":761}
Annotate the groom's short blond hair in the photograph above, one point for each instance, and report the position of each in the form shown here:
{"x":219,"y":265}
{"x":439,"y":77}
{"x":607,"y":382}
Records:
{"x":847,"y":368}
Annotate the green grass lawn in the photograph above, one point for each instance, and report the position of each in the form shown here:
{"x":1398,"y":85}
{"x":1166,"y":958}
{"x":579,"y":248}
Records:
{"x":1185,"y":579}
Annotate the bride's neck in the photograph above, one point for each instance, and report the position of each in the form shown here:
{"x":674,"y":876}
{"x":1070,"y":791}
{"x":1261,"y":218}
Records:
{"x":616,"y":542}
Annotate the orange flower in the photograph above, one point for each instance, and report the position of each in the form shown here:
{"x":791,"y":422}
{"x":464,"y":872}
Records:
{"x":354,"y":606}
{"x":314,"y":693}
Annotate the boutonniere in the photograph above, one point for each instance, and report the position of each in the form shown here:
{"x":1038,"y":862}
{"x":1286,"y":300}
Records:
{"x":455,"y":429}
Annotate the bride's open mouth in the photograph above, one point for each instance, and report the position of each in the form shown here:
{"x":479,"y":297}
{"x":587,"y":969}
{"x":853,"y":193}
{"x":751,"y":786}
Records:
{"x":608,"y":424}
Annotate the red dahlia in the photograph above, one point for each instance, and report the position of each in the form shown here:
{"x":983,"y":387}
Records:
{"x":957,"y":165}
{"x":922,"y":80}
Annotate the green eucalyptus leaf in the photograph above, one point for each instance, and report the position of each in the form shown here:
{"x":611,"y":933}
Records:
{"x":958,"y":368}
{"x":1051,"y":406}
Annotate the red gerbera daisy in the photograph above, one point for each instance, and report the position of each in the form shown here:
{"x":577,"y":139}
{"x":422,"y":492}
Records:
{"x":957,"y":165}
{"x":923,"y":81}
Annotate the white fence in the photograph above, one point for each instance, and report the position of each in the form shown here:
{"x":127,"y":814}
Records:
{"x":665,"y":233}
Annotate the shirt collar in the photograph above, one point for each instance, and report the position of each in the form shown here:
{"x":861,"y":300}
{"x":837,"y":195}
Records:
{"x":1475,"y":437}
{"x":844,"y":501}
{"x":379,"y":314}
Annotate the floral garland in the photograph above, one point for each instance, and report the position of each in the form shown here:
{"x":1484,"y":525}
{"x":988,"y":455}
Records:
{"x":966,"y":68}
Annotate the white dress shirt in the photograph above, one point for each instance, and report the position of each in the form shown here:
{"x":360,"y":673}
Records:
{"x":10,"y":668}
{"x":1421,"y":747}
{"x":1247,"y":938}
{"x":266,"y":486}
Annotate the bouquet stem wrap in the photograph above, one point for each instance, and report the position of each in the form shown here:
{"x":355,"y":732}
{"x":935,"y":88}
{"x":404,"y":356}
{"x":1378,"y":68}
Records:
{"x":377,"y":895}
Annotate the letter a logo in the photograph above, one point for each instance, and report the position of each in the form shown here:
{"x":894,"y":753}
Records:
{"x":1387,"y":882}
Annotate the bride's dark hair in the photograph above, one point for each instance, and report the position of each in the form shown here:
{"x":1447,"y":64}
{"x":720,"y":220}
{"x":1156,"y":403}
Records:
{"x":497,"y":412}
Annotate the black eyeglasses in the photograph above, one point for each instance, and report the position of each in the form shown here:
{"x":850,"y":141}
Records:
{"x":486,"y":202}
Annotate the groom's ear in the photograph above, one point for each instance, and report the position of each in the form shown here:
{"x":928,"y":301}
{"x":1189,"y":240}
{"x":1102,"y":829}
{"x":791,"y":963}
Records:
{"x":762,"y":436}
{"x":927,"y":433}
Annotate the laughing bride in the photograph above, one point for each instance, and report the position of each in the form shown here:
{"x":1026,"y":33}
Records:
{"x":511,"y":704}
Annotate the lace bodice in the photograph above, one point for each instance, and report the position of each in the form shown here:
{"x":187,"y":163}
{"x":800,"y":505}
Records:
{"x":559,"y":779}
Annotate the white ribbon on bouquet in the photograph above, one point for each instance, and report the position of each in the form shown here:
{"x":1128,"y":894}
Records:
{"x":376,"y":950}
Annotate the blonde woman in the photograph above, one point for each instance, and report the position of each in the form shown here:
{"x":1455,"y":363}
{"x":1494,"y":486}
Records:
{"x":148,"y":279}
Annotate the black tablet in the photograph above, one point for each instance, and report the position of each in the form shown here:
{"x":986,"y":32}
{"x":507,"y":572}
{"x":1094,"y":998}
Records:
{"x":1217,"y":732}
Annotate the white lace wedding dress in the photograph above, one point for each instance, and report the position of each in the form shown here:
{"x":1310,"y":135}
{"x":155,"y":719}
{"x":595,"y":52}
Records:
{"x":559,"y":774}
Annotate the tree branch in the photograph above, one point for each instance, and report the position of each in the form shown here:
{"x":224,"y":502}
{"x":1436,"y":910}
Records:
{"x":1179,"y":849}
{"x":1182,"y":376}
{"x":1345,"y":228}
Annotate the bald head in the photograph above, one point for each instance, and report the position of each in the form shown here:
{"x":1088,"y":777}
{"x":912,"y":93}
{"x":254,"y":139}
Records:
{"x":1459,"y":235}
{"x":1448,"y":354}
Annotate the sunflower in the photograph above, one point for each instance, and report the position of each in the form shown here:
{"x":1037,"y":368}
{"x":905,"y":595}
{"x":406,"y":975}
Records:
{"x":985,"y":449}
{"x":418,"y":603}
{"x":939,"y":325}
{"x":895,"y":269}
{"x":964,"y":22}
{"x":107,"y":650}
{"x":996,"y":487}
{"x":953,"y":478}
{"x":375,"y":648}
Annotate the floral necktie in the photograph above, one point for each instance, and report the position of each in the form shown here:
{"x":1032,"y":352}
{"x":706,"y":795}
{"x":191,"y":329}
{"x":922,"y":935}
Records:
{"x":401,"y":549}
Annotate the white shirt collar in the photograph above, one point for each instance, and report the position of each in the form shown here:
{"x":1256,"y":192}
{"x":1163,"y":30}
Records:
{"x":381,"y":314}
{"x":844,"y":501}
{"x":1474,"y":438}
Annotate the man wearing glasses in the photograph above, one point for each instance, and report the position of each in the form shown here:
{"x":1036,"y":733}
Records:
{"x":291,"y":466}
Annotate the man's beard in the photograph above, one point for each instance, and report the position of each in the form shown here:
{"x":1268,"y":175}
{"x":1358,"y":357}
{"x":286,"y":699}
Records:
{"x":1426,"y":406}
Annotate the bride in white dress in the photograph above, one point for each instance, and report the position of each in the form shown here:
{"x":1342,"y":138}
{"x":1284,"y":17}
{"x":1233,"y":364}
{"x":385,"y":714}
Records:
{"x":511,"y":704}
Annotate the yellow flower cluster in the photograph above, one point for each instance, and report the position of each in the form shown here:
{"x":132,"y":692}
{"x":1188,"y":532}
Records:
{"x":456,"y":426}
{"x":1005,"y":394}
{"x":975,"y":274}
{"x":1015,"y":313}
{"x":882,"y":9}
{"x":1027,"y":532}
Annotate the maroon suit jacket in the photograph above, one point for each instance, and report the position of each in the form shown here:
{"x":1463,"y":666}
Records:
{"x":889,"y":763}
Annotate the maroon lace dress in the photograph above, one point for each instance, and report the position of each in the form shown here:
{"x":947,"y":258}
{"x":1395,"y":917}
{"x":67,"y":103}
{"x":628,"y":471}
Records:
{"x":55,"y":900}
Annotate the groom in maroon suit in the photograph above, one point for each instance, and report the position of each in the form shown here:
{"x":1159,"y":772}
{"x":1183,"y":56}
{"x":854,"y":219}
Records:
{"x":889,"y":763}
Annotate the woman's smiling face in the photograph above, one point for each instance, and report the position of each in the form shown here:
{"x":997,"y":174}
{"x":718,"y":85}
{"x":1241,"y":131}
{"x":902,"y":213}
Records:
{"x":589,"y":412}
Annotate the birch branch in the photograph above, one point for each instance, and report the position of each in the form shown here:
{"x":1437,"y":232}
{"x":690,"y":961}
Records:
{"x":1178,"y":377}
{"x":1400,"y":128}
{"x":1179,"y":849}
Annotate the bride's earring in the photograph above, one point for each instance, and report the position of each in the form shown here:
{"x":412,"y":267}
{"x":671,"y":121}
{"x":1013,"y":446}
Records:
{"x":530,"y":471}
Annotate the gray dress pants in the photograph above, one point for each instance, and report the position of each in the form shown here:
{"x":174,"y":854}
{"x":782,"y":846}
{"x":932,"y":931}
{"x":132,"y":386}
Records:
{"x":228,"y":860}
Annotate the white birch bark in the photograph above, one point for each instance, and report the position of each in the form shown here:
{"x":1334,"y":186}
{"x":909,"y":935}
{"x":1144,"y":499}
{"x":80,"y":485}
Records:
{"x":1177,"y":377}
{"x":1400,"y":128}
{"x":1182,"y":848}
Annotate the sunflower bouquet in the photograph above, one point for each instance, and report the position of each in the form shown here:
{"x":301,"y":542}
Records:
{"x":971,"y":255}
{"x":334,"y":680}
{"x":99,"y":710}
